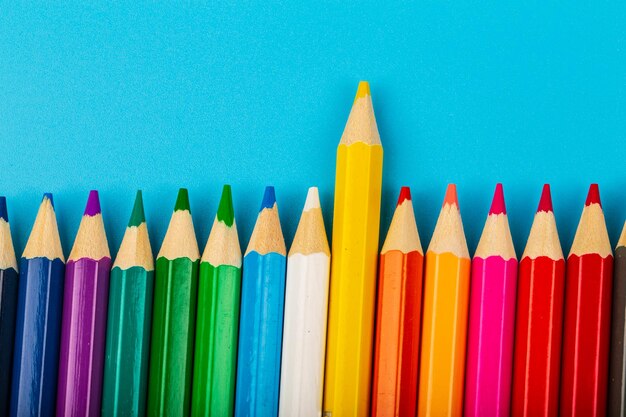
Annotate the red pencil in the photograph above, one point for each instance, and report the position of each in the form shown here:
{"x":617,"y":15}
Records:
{"x":539,"y":323}
{"x":587,"y":315}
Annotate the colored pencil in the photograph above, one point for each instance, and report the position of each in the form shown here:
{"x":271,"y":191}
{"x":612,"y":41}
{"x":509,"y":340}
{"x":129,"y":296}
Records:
{"x":584,"y":371}
{"x":491,"y":317}
{"x":217,"y":328}
{"x":83,"y":331}
{"x":174,"y":315}
{"x":8,"y":305}
{"x":617,"y":359}
{"x":539,"y":321}
{"x":306,"y":306}
{"x":444,"y":317}
{"x":261,"y":322}
{"x":39,"y":315}
{"x":396,"y":359}
{"x":129,"y":319}
{"x":353,"y":270}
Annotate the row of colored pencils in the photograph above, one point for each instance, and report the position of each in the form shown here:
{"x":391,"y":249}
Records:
{"x":395,"y":333}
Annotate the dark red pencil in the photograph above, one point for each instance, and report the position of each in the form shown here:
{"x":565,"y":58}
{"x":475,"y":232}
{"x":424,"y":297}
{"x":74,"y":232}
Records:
{"x":587,"y":315}
{"x":539,"y":323}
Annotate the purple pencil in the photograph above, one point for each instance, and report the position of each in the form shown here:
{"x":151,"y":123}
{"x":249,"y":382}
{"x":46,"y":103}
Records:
{"x":84,"y":317}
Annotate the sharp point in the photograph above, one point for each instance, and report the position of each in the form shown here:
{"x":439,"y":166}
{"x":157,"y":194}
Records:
{"x":593,"y":196}
{"x":363,"y":90}
{"x":48,"y":196}
{"x":497,"y":204}
{"x":225,"y":211}
{"x":93,"y":204}
{"x":451,"y":197}
{"x":4,"y":215}
{"x":269,"y":198}
{"x":405,"y":194}
{"x":137,"y":216}
{"x":545,"y":202}
{"x":182,"y":200}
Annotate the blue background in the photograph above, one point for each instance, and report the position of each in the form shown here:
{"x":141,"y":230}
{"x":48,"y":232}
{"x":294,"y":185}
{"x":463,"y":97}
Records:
{"x":120,"y":97}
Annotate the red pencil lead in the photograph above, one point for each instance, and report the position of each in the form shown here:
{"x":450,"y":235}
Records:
{"x":451,"y":197}
{"x":405,"y":194}
{"x":497,"y":204}
{"x":593,"y":197}
{"x":545,"y":202}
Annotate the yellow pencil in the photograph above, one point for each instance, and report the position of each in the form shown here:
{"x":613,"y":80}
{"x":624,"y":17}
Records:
{"x":353,"y":271}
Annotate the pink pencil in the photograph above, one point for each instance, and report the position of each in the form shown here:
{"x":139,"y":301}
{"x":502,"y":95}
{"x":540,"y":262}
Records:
{"x":492,"y":317}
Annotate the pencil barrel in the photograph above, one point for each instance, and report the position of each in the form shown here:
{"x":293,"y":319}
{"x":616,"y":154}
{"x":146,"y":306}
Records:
{"x":8,"y":307}
{"x":538,"y":337}
{"x":396,"y":359}
{"x":127,"y":342}
{"x":490,"y":337}
{"x":260,"y":335}
{"x":83,"y":333}
{"x":586,"y":335}
{"x":617,"y":367}
{"x":172,"y":340}
{"x":37,"y":336}
{"x":215,"y":359}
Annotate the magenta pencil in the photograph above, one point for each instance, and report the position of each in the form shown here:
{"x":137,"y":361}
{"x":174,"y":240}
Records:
{"x":84,"y":317}
{"x":492,"y":317}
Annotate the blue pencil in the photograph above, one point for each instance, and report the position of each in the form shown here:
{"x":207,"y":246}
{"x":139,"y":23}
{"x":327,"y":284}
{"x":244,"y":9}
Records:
{"x":38,"y":324}
{"x":261,"y":320}
{"x":8,"y":298}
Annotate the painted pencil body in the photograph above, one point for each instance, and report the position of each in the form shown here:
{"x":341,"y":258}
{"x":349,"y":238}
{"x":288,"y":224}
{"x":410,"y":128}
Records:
{"x":617,"y":359}
{"x":306,"y":306}
{"x":444,"y":320}
{"x":83,"y":331}
{"x":39,"y":315}
{"x":491,"y":318}
{"x":396,"y":356}
{"x":173,"y":317}
{"x":539,"y":318}
{"x":8,"y":305}
{"x":129,"y":319}
{"x":261,"y":321}
{"x":584,"y":371}
{"x":217,"y":328}
{"x":353,"y":270}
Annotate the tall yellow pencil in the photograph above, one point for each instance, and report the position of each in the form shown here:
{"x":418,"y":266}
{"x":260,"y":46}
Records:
{"x":353,"y":271}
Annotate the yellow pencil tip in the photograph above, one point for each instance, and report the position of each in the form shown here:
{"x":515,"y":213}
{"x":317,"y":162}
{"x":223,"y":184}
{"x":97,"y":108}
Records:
{"x":363,"y":90}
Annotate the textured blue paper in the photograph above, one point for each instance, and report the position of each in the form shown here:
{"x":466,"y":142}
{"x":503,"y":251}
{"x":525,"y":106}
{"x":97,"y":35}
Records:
{"x":123,"y":96}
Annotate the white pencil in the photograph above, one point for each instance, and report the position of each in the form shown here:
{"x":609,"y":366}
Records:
{"x":306,"y":306}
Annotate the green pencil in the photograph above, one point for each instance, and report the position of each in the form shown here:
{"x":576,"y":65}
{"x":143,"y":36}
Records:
{"x":173,"y":325}
{"x":129,"y":318}
{"x":219,"y":290}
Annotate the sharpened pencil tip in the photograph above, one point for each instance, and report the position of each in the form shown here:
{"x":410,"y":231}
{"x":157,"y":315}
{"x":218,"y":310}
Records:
{"x":225,"y":211}
{"x":312,"y":199}
{"x":497,"y":204}
{"x":269,"y":198}
{"x":93,"y":204}
{"x":137,"y":216}
{"x":48,"y":196}
{"x":451,"y":197}
{"x":545,"y":202}
{"x":593,"y":197}
{"x":363,"y":90}
{"x":405,"y":194}
{"x":182,"y":200}
{"x":4,"y":215}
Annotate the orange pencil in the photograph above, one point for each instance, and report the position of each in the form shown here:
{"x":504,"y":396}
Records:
{"x":396,"y":361}
{"x":444,"y":328}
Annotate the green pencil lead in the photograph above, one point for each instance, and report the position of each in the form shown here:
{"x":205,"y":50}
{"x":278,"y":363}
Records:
{"x":182,"y":201}
{"x":225,"y":212}
{"x":137,"y":216}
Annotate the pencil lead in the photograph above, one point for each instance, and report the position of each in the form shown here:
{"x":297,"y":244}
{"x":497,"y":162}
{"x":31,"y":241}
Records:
{"x":497,"y":204}
{"x":137,"y":216}
{"x":593,"y":197}
{"x":312,"y":199}
{"x":225,"y":211}
{"x":4,"y":215}
{"x":48,"y":196}
{"x":451,"y":197}
{"x":363,"y":90}
{"x":545,"y":202}
{"x":405,"y":194}
{"x":182,"y":200}
{"x":93,"y":204}
{"x":269,"y":198}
